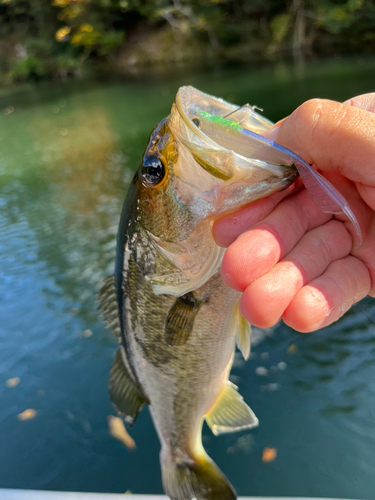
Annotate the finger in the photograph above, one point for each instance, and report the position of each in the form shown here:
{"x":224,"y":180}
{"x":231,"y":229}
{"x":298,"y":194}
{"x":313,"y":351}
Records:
{"x":257,"y":250}
{"x":333,"y":136}
{"x":227,"y":229}
{"x":360,"y":209}
{"x":364,"y":101}
{"x":367,"y":251}
{"x":367,"y":194}
{"x":328,"y":297}
{"x":265,"y":299}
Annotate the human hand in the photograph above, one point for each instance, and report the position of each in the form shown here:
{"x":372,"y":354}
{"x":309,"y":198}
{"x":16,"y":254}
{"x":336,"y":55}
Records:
{"x":298,"y":263}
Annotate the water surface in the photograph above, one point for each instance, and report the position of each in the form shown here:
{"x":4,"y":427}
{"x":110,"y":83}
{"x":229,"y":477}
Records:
{"x":67,"y":153}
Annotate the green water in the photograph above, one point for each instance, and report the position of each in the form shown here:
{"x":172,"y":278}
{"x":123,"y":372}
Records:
{"x":67,"y":153}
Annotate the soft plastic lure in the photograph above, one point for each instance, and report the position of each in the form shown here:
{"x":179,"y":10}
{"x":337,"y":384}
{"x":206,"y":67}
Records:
{"x":322,"y":192}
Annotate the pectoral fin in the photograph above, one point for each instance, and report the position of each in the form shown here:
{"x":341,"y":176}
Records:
{"x":180,"y":320}
{"x":243,"y":333}
{"x":230,"y":413}
{"x":123,"y":391}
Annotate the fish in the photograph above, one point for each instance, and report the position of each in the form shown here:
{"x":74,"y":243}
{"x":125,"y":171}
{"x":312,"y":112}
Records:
{"x":176,"y":321}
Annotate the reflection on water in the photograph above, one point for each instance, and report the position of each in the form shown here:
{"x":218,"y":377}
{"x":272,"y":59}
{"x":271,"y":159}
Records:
{"x":66,"y":157}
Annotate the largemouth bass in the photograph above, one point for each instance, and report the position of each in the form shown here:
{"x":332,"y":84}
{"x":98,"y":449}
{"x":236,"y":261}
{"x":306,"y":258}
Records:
{"x":178,"y":324}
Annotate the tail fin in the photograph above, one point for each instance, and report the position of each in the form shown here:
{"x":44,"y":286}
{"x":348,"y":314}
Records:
{"x":203,"y":480}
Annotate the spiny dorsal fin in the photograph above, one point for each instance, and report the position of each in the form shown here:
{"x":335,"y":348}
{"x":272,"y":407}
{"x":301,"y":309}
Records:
{"x":243,"y":333}
{"x":124,"y":393}
{"x":109,"y":305}
{"x":230,"y":412}
{"x":180,"y":320}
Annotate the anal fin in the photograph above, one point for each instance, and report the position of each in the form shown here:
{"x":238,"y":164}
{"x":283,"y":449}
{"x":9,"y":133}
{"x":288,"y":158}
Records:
{"x":230,"y":412}
{"x":123,"y":391}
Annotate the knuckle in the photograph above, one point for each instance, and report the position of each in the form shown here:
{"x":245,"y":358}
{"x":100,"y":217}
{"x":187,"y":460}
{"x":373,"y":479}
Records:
{"x":300,"y":213}
{"x":312,"y":106}
{"x":335,"y":242}
{"x":326,"y":250}
{"x":309,"y":113}
{"x":306,"y":121}
{"x":316,"y":124}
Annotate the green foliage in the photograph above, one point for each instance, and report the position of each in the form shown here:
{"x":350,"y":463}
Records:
{"x":110,"y":42}
{"x":49,"y":38}
{"x":280,"y":26}
{"x":30,"y":67}
{"x":336,"y":18}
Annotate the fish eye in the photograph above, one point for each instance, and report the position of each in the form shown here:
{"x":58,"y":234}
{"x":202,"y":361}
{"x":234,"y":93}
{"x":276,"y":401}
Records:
{"x":196,"y":121}
{"x":153,"y":170}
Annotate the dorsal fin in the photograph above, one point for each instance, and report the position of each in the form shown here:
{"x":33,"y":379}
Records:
{"x":123,"y":391}
{"x":109,"y":305}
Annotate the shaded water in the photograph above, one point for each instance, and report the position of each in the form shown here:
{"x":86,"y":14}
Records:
{"x":67,"y":153}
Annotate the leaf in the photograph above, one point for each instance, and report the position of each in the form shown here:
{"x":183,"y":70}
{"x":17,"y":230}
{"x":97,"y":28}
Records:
{"x":27,"y":414}
{"x":117,"y":430}
{"x":12,"y":382}
{"x":269,"y":455}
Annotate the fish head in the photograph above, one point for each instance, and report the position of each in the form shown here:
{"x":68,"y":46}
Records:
{"x":197,"y":167}
{"x":156,"y":208}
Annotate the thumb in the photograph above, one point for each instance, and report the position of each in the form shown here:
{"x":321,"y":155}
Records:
{"x":333,"y":136}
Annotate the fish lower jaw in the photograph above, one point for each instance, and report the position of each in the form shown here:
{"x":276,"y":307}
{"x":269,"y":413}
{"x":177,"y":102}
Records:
{"x":240,"y":193}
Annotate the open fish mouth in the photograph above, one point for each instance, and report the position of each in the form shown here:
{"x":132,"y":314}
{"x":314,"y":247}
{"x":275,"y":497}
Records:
{"x":226,"y":140}
{"x":212,"y":129}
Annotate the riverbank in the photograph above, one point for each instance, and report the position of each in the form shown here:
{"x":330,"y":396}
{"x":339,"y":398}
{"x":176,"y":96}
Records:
{"x":66,"y":39}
